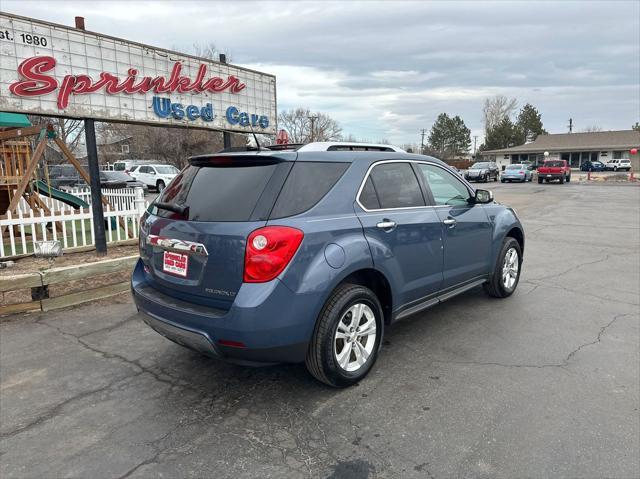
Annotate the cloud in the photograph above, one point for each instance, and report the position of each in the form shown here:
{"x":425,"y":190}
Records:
{"x":386,"y":69}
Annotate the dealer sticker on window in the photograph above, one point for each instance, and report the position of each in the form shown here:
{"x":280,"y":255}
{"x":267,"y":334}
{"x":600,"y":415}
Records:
{"x":175,"y":263}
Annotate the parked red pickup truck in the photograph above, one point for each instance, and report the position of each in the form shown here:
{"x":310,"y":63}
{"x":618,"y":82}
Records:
{"x":554,"y":170}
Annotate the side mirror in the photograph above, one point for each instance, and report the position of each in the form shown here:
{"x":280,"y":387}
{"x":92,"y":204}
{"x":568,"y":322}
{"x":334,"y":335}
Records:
{"x":483,"y":196}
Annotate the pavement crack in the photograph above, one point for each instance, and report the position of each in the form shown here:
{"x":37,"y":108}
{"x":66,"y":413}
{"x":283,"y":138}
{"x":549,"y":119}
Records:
{"x":172,"y":381}
{"x":55,"y":410}
{"x":597,"y":339}
{"x":562,"y":365}
{"x":573,"y":268}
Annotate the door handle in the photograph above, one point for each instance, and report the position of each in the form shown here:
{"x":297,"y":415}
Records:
{"x":387,"y":225}
{"x":450,"y":222}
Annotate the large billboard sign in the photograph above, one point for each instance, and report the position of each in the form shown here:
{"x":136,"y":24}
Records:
{"x":50,"y":69}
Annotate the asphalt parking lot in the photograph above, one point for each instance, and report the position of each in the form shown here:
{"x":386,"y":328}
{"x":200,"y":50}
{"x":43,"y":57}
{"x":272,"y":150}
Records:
{"x":543,"y":384}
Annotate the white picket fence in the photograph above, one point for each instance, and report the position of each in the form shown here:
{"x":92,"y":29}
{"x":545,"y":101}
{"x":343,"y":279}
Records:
{"x":73,"y":228}
{"x":122,"y":198}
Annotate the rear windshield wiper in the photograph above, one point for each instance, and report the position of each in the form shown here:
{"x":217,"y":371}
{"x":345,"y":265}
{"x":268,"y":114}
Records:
{"x":180,"y":209}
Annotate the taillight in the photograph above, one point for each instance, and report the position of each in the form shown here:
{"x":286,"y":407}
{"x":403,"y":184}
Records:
{"x":269,"y":251}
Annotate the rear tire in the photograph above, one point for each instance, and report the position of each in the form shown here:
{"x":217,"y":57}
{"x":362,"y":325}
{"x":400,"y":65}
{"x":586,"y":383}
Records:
{"x":569,"y":179}
{"x":160,"y":186}
{"x":562,"y":180}
{"x":337,"y":320}
{"x":539,"y":181}
{"x":498,"y":286}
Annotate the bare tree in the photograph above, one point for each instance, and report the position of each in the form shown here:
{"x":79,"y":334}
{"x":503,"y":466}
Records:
{"x":209,"y":51}
{"x":298,"y":124}
{"x":69,"y":130}
{"x":591,"y":129}
{"x":496,"y":109}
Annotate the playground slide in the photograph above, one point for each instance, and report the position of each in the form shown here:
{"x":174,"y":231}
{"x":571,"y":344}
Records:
{"x":59,"y":195}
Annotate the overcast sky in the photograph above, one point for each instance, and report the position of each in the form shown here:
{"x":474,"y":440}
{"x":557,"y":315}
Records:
{"x":387,"y":69}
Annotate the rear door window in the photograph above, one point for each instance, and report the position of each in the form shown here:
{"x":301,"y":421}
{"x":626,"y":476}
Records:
{"x":307,"y":183}
{"x":218,"y":192}
{"x":396,"y":186}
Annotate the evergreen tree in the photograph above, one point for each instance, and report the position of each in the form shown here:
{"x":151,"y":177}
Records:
{"x":529,"y":124}
{"x":503,"y":135}
{"x":449,"y":136}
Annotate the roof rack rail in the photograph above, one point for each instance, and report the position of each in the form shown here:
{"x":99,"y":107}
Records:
{"x":349,"y":146}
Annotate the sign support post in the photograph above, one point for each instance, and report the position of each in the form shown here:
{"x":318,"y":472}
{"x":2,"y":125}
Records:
{"x":96,"y":191}
{"x":94,"y":177}
{"x":226,"y":136}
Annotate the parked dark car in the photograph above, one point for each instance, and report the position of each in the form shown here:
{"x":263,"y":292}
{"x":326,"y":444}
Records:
{"x":61,"y":175}
{"x":119,"y":179}
{"x":261,"y":257}
{"x":593,"y":166}
{"x":482,"y":171}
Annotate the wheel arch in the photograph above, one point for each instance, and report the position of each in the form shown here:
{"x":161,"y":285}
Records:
{"x":377,"y":282}
{"x":517,"y":234}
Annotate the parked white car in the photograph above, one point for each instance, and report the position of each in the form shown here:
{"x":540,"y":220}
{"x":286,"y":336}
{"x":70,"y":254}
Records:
{"x":155,"y":176}
{"x":621,"y":164}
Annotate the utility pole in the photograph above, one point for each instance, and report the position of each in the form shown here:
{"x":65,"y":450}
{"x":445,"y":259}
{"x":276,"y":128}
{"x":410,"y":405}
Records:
{"x":422,"y":144}
{"x":475,"y":141}
{"x":570,"y":125}
{"x":313,"y":122}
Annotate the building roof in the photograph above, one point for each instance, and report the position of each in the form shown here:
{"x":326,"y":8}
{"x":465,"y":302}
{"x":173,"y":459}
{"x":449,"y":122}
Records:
{"x":597,"y":140}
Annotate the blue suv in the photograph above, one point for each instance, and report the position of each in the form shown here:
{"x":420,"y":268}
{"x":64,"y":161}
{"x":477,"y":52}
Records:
{"x":267,"y":256}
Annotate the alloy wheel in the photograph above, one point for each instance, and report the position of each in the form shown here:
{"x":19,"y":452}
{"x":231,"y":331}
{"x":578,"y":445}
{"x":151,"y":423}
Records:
{"x":355,"y":337}
{"x":510,"y":268}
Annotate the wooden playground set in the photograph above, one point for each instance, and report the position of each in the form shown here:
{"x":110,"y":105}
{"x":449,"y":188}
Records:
{"x":22,"y":179}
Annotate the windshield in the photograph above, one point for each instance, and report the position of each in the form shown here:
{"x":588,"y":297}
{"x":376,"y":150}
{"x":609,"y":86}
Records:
{"x":514,"y":167}
{"x":478,"y":166}
{"x":167,"y":170}
{"x":553,"y":163}
{"x":117,"y":176}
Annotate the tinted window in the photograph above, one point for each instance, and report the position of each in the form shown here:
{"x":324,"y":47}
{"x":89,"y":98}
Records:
{"x":368,"y":196}
{"x":514,"y":167}
{"x":167,"y":170}
{"x":476,"y":166}
{"x":306,"y":184}
{"x":396,"y":185}
{"x":445,"y":187}
{"x":217,"y":192}
{"x":116,"y":175}
{"x":553,"y":163}
{"x":119,"y":166}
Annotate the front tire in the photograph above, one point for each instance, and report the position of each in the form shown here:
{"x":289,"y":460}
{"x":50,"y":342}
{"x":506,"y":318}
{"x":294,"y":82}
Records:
{"x":506,"y":273}
{"x":347,"y":337}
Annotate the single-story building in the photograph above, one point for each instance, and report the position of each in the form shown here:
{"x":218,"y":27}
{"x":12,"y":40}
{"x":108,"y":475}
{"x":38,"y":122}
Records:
{"x":573,"y":147}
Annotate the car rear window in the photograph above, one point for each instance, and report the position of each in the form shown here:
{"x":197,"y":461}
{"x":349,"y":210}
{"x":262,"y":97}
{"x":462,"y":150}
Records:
{"x":307,"y":183}
{"x":218,"y":191}
{"x":553,"y":163}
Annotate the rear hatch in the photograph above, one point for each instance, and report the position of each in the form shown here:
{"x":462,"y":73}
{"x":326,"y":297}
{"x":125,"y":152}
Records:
{"x":193,"y":239}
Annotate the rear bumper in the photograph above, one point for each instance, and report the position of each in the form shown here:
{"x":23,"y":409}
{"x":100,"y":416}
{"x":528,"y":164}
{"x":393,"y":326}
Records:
{"x":272,"y":323}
